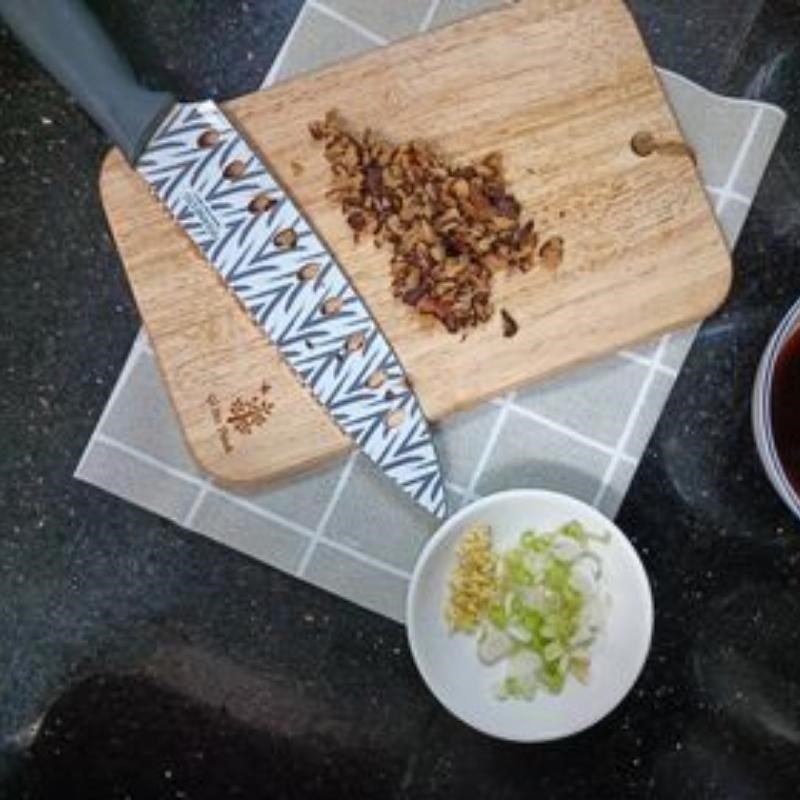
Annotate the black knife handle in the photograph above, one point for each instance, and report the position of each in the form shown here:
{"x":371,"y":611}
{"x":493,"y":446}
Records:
{"x":72,"y":46}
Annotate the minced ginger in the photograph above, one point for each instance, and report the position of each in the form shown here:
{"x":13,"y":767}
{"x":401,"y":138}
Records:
{"x":473,"y":582}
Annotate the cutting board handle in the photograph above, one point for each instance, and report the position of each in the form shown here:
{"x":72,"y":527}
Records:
{"x":72,"y":46}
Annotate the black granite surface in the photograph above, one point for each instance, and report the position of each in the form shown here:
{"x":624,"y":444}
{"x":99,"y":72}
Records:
{"x":139,"y":661}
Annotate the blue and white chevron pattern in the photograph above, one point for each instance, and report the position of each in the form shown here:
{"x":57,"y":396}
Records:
{"x":310,"y":314}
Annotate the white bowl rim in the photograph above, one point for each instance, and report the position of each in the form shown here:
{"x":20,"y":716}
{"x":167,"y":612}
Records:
{"x":761,"y":417}
{"x":444,"y":531}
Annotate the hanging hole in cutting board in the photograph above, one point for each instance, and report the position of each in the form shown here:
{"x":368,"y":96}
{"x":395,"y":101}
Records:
{"x":644,"y":144}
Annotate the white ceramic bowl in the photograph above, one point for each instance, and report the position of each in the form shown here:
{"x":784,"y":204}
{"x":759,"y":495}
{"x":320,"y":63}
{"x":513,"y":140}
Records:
{"x":762,"y":417}
{"x":449,"y":663}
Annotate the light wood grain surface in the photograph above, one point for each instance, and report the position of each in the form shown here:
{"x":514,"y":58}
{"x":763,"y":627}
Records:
{"x":560,"y":87}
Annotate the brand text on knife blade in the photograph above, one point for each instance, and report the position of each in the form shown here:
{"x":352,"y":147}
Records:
{"x":195,"y":203}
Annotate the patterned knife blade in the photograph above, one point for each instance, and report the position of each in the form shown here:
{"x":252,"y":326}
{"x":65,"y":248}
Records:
{"x":254,"y":235}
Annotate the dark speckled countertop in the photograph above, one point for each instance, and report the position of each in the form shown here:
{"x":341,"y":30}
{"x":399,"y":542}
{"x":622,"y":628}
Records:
{"x":139,"y":661}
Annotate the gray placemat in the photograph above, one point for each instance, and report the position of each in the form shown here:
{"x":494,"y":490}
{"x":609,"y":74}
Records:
{"x":343,"y":527}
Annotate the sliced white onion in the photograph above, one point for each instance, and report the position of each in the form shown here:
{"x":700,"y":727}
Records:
{"x":565,"y":548}
{"x":494,"y":644}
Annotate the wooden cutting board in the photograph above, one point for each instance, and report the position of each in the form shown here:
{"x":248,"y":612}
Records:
{"x":559,"y":87}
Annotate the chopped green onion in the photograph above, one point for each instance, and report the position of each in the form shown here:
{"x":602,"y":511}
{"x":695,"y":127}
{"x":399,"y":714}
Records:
{"x":549,"y":605}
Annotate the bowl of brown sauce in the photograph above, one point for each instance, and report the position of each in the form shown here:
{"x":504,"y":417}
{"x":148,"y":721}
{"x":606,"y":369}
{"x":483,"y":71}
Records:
{"x":776,"y":409}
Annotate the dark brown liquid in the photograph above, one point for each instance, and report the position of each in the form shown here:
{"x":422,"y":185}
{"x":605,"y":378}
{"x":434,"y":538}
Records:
{"x":786,"y":408}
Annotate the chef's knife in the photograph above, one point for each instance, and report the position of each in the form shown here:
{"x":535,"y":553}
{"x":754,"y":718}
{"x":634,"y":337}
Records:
{"x":250,"y":230}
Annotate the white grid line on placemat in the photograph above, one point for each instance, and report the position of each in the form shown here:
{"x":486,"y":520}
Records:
{"x":206,"y":487}
{"x":570,"y":432}
{"x":143,"y":341}
{"x":375,"y":38}
{"x":644,"y":361}
{"x":264,"y":513}
{"x":737,"y":196}
{"x":630,"y":424}
{"x":429,"y":15}
{"x":455,"y":488}
{"x":279,"y":519}
{"x":150,"y":460}
{"x":333,"y":501}
{"x":491,"y":441}
{"x":360,"y":555}
{"x":559,"y":427}
{"x":270,"y":516}
{"x":202,"y":493}
{"x":713,"y":96}
{"x":272,"y":73}
{"x":741,"y":157}
{"x":122,"y":381}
